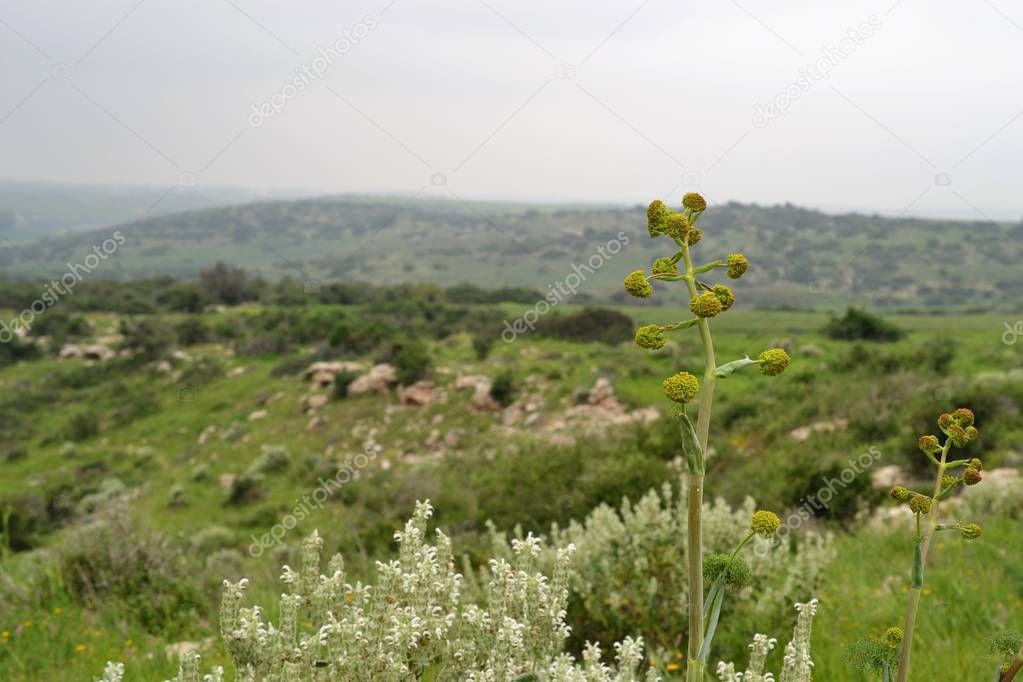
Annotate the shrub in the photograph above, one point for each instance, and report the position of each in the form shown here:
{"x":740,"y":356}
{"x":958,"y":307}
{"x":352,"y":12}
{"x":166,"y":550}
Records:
{"x":224,"y":284}
{"x":146,"y":338}
{"x":246,"y":487}
{"x":111,"y":558}
{"x":430,"y":631}
{"x":590,"y":324}
{"x":262,"y":344}
{"x":411,"y":361}
{"x":502,"y":388}
{"x":15,"y":350}
{"x":273,"y":458}
{"x":342,"y":380}
{"x":60,"y":326}
{"x":211,"y":539}
{"x":860,"y":325}
{"x":416,"y":622}
{"x":630,"y":573}
{"x":24,"y":518}
{"x":191,"y":331}
{"x":81,"y":426}
{"x":482,"y":344}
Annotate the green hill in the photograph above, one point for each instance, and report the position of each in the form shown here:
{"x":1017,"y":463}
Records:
{"x":803,"y":257}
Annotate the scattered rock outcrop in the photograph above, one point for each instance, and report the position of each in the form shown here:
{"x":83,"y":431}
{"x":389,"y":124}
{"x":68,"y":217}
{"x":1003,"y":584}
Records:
{"x":377,"y":380}
{"x":89,"y":351}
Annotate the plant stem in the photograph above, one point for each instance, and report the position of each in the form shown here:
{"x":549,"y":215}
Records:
{"x":695,"y":534}
{"x":914,"y":592}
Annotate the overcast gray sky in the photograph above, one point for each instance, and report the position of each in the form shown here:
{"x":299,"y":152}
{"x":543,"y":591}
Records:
{"x":921,"y":113}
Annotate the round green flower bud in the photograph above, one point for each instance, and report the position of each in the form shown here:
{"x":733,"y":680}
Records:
{"x":734,"y":573}
{"x":694,"y":236}
{"x":737,"y":265}
{"x":929,"y":445}
{"x":637,"y":285}
{"x":963,"y":416}
{"x":893,"y":637}
{"x":948,"y":481}
{"x":677,"y":227}
{"x":765,"y":523}
{"x":971,"y":476}
{"x":705,"y":305}
{"x":977,"y":464}
{"x":664,"y":266}
{"x":971,"y":531}
{"x":972,"y":433}
{"x":656,"y":217}
{"x":650,"y":337}
{"x":724,"y":295}
{"x":773,"y":362}
{"x":681,"y":387}
{"x":920,"y":504}
{"x":694,"y":202}
{"x":944,"y":421}
{"x":900,"y":493}
{"x":958,"y":435}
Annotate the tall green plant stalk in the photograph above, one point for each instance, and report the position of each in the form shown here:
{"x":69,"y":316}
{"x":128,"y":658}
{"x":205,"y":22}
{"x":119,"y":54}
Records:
{"x":694,"y":539}
{"x":959,"y":432}
{"x":706,"y":301}
{"x":923,"y":545}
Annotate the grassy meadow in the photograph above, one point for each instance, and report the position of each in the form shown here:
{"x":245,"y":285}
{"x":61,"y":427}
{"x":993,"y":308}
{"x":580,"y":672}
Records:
{"x":131,"y":487}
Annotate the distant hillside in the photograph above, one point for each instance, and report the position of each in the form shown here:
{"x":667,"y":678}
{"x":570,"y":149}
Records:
{"x":800,"y":257}
{"x":36,"y":210}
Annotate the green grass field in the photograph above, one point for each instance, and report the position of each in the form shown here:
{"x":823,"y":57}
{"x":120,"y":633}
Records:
{"x":143,"y":428}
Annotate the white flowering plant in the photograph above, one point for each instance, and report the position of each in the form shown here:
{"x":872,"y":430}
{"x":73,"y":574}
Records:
{"x":415,"y":623}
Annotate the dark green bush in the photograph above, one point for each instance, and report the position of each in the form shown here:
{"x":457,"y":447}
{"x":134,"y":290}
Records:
{"x":81,"y":426}
{"x":145,"y":337}
{"x":860,"y":325}
{"x":589,"y":324}
{"x":191,"y":331}
{"x":341,"y":382}
{"x":411,"y":360}
{"x":502,"y":389}
{"x":15,"y":350}
{"x":112,"y":559}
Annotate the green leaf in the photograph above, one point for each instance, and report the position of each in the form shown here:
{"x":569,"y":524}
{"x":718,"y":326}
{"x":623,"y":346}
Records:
{"x":691,"y":448}
{"x":732,"y":367}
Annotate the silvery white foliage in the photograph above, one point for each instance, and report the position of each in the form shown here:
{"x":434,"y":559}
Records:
{"x":188,"y":670}
{"x":636,"y":554}
{"x":114,"y":672}
{"x":414,"y":622}
{"x":797,"y":664}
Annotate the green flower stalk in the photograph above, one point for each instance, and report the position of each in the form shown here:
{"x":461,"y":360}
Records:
{"x":960,"y":432}
{"x":706,"y":301}
{"x":730,"y":573}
